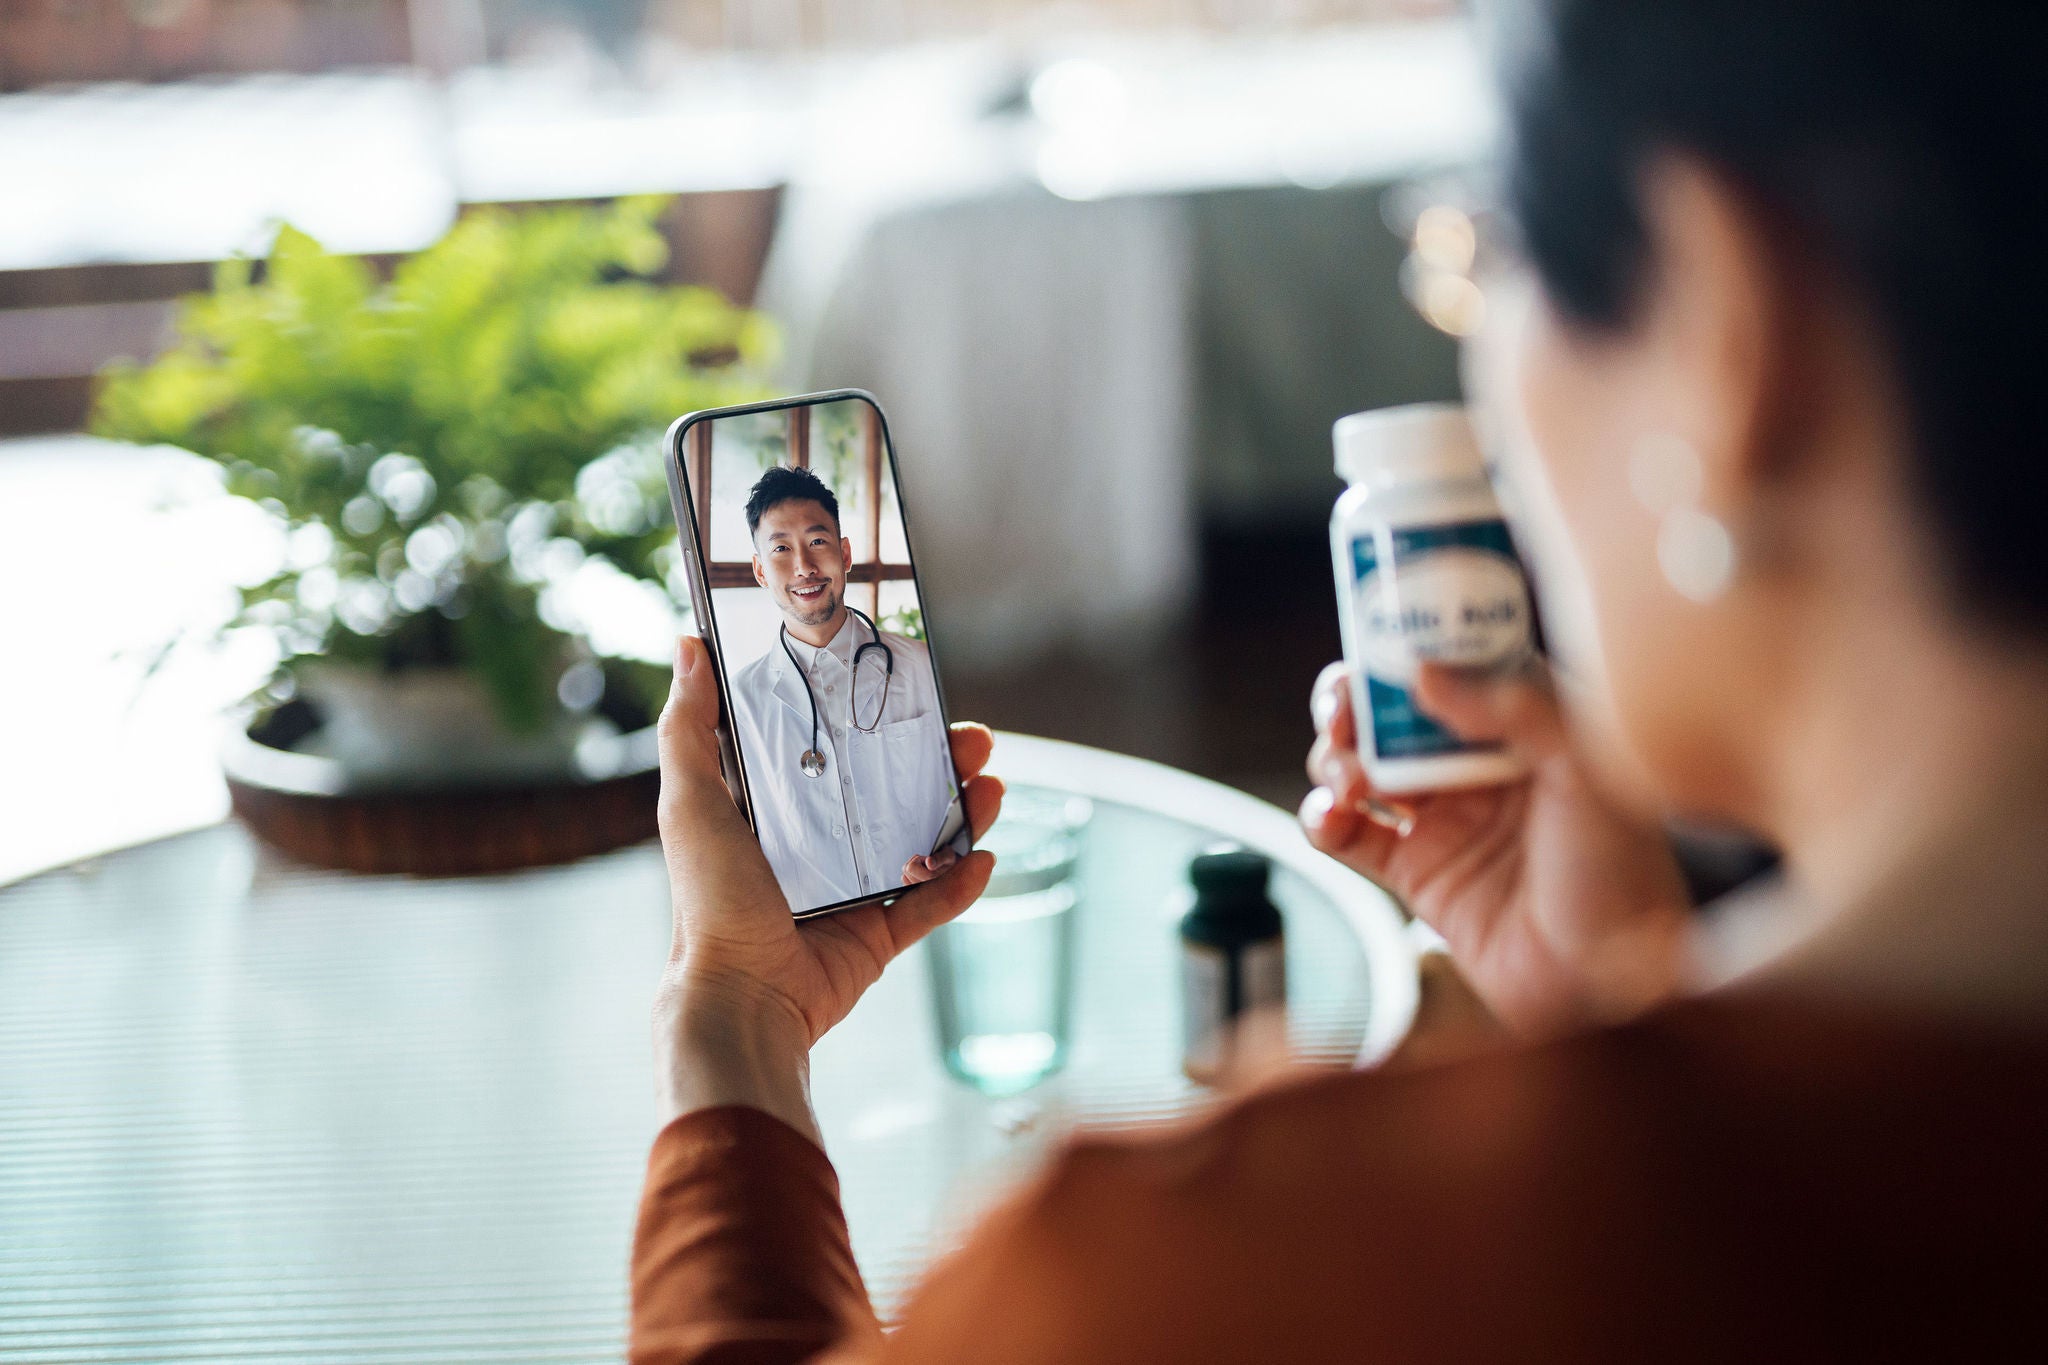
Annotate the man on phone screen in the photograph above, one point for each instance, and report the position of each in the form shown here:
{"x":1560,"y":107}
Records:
{"x":867,"y":819}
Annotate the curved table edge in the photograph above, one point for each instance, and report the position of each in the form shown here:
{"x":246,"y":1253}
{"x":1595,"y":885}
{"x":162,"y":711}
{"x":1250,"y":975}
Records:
{"x":1382,"y":928}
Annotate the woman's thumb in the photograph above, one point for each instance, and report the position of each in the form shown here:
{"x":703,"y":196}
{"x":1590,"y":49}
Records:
{"x":1517,"y":709}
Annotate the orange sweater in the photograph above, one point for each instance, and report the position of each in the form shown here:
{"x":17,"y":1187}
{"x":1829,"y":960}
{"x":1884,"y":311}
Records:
{"x":1731,"y":1178}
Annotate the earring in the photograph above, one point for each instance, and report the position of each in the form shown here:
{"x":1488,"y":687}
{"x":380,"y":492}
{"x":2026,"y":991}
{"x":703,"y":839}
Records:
{"x":1696,"y":553}
{"x":1694,"y":548}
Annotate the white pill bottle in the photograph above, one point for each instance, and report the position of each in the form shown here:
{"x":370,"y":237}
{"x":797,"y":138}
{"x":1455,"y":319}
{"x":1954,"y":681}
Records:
{"x":1425,"y":571}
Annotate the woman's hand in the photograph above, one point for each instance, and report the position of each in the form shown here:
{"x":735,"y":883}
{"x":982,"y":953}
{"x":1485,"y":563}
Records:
{"x":749,"y":988}
{"x":1557,"y":906}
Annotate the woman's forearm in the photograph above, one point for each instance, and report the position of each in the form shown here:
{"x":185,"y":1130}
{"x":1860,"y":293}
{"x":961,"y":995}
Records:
{"x":714,"y":1048}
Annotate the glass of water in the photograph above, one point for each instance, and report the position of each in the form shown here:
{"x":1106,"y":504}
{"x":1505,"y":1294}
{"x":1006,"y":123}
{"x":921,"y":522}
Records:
{"x":1002,"y":974}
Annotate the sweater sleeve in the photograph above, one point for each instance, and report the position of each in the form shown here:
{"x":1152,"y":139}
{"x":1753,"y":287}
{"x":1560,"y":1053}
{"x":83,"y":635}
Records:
{"x":741,"y":1253}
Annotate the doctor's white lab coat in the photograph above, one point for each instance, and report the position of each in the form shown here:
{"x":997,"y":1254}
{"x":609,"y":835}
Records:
{"x":883,"y":797}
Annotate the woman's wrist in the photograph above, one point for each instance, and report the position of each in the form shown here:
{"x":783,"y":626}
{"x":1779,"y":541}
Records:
{"x":717,"y":1046}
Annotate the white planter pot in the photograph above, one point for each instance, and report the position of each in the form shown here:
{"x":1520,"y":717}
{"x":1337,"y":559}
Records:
{"x":429,"y":728}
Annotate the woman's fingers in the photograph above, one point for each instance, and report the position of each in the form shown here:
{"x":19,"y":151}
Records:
{"x":971,"y":745}
{"x":1343,"y":831}
{"x":983,"y":797}
{"x":1338,"y":767}
{"x":1333,"y":760}
{"x":1517,"y":709}
{"x":953,"y":889}
{"x":1329,"y":706}
{"x":1345,"y":816}
{"x":925,"y":907}
{"x":1331,"y":693}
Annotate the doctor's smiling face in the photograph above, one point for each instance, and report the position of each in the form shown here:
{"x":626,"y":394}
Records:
{"x":799,"y":555}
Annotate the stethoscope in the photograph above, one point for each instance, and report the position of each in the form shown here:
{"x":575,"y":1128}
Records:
{"x":813,"y":762}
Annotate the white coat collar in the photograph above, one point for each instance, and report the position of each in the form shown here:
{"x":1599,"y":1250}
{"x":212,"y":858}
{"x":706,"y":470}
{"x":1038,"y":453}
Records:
{"x":840,"y":646}
{"x":788,"y":685}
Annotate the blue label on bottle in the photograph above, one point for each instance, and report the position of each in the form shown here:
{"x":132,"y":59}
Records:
{"x":1451,"y":594}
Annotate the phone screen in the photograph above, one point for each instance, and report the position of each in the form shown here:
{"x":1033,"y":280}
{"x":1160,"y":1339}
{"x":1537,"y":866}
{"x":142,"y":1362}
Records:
{"x":810,"y":597}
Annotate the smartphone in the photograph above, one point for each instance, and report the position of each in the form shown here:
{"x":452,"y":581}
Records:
{"x":832,"y":721}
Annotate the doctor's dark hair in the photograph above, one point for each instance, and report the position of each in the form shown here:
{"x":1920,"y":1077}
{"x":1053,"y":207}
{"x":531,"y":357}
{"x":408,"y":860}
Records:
{"x":782,"y":484}
{"x":1899,"y":146}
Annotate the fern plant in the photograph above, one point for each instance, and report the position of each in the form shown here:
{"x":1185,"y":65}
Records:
{"x":446,"y":448}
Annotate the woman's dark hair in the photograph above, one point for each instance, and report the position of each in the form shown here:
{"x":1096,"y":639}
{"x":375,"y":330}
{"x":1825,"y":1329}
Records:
{"x":1903,"y":143}
{"x":782,"y":484}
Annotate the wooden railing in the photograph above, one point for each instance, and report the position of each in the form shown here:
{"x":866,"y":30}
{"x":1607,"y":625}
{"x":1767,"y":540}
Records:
{"x":45,"y":41}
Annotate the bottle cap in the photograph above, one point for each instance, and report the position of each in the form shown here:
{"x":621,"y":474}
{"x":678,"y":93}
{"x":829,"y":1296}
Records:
{"x":1415,"y":441}
{"x":1230,"y":874}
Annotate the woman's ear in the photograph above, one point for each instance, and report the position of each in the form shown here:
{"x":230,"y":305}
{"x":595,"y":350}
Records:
{"x":1718,"y":319}
{"x":1765,"y":365}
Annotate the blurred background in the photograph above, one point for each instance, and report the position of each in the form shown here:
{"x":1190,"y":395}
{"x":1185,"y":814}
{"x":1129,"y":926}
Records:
{"x":1113,"y":269}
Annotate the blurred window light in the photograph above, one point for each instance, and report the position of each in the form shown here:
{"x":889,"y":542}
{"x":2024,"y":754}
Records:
{"x":523,"y":133}
{"x":1319,"y":110}
{"x":106,"y":718}
{"x":121,"y":173}
{"x":1079,"y":94}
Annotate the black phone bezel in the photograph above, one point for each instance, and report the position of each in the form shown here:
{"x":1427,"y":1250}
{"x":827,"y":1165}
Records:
{"x":684,"y":510}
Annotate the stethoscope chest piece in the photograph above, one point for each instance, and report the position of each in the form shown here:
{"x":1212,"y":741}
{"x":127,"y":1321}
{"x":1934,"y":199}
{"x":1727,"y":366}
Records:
{"x":811,"y":761}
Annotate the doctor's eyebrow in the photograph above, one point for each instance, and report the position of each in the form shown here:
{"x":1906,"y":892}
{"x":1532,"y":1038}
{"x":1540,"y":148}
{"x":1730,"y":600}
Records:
{"x":808,"y":530}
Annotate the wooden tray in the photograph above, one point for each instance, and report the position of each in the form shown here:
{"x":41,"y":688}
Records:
{"x":306,"y":806}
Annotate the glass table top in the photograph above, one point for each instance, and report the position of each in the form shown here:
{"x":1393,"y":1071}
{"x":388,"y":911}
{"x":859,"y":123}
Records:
{"x":252,"y":1110}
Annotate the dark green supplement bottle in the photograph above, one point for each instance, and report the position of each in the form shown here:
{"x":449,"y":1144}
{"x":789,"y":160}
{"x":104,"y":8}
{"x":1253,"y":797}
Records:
{"x":1233,"y":957}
